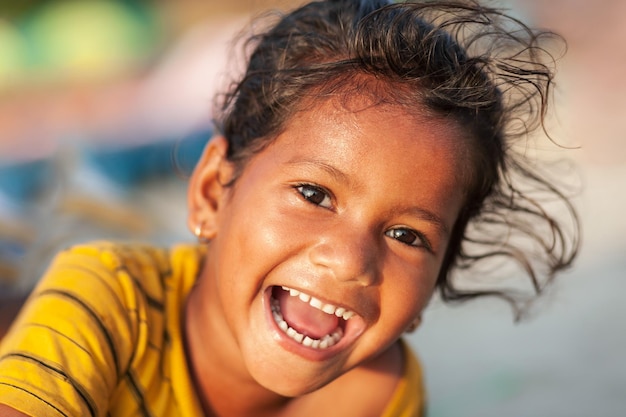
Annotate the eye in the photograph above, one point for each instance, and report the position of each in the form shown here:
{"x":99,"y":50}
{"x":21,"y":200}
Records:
{"x":315,"y":195}
{"x":409,"y":237}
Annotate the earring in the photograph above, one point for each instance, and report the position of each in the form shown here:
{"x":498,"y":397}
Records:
{"x":198,"y":231}
{"x":414,"y":325}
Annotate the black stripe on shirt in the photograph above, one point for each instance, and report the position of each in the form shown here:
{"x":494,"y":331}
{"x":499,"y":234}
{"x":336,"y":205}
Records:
{"x":97,"y":276}
{"x":95,"y":317}
{"x":82,"y":392}
{"x":152,"y":302}
{"x":158,"y":260}
{"x":36,"y":396}
{"x":138,"y":394}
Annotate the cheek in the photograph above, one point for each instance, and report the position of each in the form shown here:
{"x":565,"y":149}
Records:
{"x":405,"y":292}
{"x":255,"y":231}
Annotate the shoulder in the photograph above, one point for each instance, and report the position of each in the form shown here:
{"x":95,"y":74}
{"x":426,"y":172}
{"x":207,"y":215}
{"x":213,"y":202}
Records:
{"x":100,"y":268}
{"x":133,"y":275}
{"x":389,"y":385}
{"x":134,"y":256}
{"x":139,"y":261}
{"x":112,"y":255}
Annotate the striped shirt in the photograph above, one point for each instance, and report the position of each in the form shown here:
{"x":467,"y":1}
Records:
{"x":101,"y":336}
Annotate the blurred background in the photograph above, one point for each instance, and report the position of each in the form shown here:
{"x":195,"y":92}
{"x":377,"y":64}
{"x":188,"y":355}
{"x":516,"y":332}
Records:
{"x":105,"y":106}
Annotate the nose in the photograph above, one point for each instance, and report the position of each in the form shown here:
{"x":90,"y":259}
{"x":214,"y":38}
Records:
{"x":348,"y":255}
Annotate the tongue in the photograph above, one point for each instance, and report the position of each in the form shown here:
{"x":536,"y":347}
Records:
{"x":305,"y":319}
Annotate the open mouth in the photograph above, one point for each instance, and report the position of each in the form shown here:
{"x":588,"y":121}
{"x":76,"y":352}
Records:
{"x":306,"y":319}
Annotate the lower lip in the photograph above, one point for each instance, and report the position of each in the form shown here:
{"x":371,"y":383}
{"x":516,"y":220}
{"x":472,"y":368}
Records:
{"x":296,"y":348}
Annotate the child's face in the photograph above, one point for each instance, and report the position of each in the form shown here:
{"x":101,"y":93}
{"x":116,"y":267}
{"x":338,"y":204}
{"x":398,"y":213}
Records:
{"x":352,"y":208}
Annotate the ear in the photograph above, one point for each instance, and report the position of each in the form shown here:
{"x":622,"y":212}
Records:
{"x":414,"y":324}
{"x":206,"y":192}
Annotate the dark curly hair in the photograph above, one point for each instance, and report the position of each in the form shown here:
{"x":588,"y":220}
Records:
{"x":470,"y":64}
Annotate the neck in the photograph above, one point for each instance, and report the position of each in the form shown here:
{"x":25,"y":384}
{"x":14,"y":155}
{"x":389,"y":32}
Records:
{"x":222,"y":382}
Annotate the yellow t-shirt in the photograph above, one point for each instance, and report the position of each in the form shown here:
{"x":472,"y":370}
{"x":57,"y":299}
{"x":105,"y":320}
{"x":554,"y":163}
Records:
{"x":101,"y":336}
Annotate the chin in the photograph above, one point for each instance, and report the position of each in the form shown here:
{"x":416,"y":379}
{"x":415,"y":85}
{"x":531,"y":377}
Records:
{"x":288,"y":374}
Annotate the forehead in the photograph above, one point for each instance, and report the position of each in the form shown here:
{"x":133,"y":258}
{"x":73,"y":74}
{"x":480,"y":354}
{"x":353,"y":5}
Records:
{"x":359,"y":124}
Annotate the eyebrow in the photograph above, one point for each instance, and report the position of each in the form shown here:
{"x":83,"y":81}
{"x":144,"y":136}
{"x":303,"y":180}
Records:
{"x":339,"y":175}
{"x":431,"y":218}
{"x":336,"y":173}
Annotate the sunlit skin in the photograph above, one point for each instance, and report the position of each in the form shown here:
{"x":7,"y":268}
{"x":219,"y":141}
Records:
{"x":352,"y":204}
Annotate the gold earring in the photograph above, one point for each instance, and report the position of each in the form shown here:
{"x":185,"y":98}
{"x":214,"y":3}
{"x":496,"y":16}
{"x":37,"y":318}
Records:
{"x":198,"y":231}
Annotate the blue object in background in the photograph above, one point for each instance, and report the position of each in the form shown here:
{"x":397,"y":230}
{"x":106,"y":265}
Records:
{"x":129,"y":166}
{"x":23,"y":181}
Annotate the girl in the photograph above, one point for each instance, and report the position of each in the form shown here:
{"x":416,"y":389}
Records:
{"x":357,"y":159}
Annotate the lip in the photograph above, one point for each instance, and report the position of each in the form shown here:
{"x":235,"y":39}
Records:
{"x":354,"y":327}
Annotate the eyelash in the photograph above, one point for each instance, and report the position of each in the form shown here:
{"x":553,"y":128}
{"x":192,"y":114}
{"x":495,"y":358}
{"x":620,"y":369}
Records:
{"x":306,"y":191}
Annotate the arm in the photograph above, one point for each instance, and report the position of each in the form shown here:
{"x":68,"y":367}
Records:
{"x":6,"y":411}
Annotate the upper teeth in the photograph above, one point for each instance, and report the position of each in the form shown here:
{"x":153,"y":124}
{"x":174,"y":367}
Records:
{"x":314,"y":302}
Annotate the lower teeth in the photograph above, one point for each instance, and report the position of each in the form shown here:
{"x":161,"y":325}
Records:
{"x":323,"y":343}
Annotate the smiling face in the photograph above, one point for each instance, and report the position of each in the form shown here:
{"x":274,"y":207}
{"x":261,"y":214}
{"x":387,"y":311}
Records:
{"x":328,"y":245}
